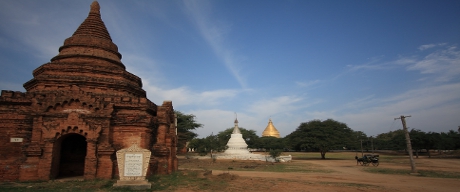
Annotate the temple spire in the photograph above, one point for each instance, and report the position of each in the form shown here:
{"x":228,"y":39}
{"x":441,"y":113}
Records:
{"x":93,"y":24}
{"x":91,"y":40}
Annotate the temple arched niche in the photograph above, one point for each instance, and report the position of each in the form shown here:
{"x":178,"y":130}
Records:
{"x":69,"y":153}
{"x":71,"y":131}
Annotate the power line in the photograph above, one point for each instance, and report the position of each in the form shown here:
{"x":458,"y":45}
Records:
{"x":392,"y":125}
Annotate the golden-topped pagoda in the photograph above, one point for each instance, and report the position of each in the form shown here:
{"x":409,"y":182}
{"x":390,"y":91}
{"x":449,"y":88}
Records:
{"x":270,"y":130}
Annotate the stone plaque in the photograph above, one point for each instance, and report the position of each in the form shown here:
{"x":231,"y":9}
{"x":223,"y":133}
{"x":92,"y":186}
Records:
{"x":133,"y":163}
{"x":16,"y":140}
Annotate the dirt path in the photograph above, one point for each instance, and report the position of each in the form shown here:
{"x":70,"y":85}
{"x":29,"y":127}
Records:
{"x":346,"y":174}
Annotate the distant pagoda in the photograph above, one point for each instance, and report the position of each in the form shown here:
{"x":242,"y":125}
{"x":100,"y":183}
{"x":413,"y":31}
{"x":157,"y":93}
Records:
{"x":238,"y":149}
{"x":236,"y":144}
{"x":270,"y":130}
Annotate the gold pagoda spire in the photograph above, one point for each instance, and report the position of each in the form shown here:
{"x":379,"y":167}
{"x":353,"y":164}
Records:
{"x":270,"y":130}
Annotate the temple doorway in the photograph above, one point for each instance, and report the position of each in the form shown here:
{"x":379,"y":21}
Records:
{"x":72,"y":156}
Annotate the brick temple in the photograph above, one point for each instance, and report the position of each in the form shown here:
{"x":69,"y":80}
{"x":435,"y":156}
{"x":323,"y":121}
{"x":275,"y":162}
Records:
{"x":78,"y":110}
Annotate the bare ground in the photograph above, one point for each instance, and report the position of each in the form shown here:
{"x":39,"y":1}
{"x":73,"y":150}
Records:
{"x":325,"y":175}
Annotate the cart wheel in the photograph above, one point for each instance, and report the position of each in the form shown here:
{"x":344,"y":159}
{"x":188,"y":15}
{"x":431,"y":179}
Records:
{"x":375,"y":164}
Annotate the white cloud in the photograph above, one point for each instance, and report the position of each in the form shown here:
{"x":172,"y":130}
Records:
{"x":443,"y":64}
{"x":423,"y":47}
{"x":32,"y":27}
{"x":214,"y":120}
{"x":428,"y":46}
{"x":420,"y":103}
{"x":374,"y":63}
{"x":183,"y":96}
{"x":307,"y":84}
{"x":214,"y":32}
{"x":273,"y":106}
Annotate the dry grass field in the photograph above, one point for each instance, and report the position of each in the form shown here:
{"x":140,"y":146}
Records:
{"x":338,"y":172}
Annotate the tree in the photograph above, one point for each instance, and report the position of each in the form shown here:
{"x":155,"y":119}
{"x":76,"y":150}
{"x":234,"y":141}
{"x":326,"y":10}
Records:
{"x":418,"y":139}
{"x":271,"y":143}
{"x":393,"y":140}
{"x":360,"y":137}
{"x":448,"y":141}
{"x":185,"y":125}
{"x":209,"y":144}
{"x":431,"y":138}
{"x":321,"y":136}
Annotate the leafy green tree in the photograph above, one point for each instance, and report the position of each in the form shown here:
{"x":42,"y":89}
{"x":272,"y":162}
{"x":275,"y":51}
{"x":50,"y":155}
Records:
{"x":431,"y":138}
{"x":448,"y":141}
{"x":321,"y":136}
{"x":209,"y":144}
{"x":271,"y":143}
{"x":393,"y":140}
{"x":356,"y":139}
{"x":418,"y":139}
{"x":275,"y":153}
{"x":186,"y":123}
{"x":382,"y":141}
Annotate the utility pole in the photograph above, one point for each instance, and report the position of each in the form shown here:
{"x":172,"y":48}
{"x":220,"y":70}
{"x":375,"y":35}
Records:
{"x":409,"y":146}
{"x":372,"y":144}
{"x":362,"y":153}
{"x":357,"y":149}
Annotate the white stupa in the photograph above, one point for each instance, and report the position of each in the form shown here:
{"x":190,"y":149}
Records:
{"x":236,"y":144}
{"x":238,"y":149}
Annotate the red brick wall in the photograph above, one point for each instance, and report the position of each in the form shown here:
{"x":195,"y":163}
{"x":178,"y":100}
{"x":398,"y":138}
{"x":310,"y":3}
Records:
{"x":14,"y":123}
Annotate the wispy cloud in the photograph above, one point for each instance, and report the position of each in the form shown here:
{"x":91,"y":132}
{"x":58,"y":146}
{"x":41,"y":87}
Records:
{"x":307,"y":84}
{"x":373,"y":64}
{"x":183,"y":96}
{"x":216,"y":120}
{"x":32,"y":28}
{"x":214,"y":34}
{"x":276,"y":105}
{"x":444,"y":64}
{"x":376,"y":114}
{"x":428,"y":46}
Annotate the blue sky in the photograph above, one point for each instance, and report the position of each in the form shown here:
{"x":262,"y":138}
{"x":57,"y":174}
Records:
{"x":359,"y":62}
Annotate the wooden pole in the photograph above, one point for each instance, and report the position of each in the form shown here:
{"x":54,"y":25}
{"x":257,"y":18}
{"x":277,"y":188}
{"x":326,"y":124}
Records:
{"x":408,"y":143}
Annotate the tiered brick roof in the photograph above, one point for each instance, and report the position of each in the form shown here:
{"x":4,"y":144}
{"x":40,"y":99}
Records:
{"x":89,"y":60}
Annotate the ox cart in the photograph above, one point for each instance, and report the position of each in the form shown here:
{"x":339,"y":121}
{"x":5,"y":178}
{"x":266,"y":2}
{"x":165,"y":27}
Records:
{"x":368,"y":159}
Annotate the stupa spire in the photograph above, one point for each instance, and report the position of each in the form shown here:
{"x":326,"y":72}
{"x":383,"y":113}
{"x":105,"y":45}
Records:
{"x":270,"y":130}
{"x":236,"y":130}
{"x":91,"y":39}
{"x":88,"y":60}
{"x":93,"y":24}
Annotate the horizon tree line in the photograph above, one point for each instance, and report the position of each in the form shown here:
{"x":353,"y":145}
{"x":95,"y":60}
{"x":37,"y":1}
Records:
{"x":317,"y":136}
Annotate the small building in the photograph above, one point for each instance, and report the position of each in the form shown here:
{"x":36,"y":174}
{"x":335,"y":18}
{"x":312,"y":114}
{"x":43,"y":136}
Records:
{"x":78,"y":110}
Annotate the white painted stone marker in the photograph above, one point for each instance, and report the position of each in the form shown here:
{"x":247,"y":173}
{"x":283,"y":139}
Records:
{"x":133,"y":163}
